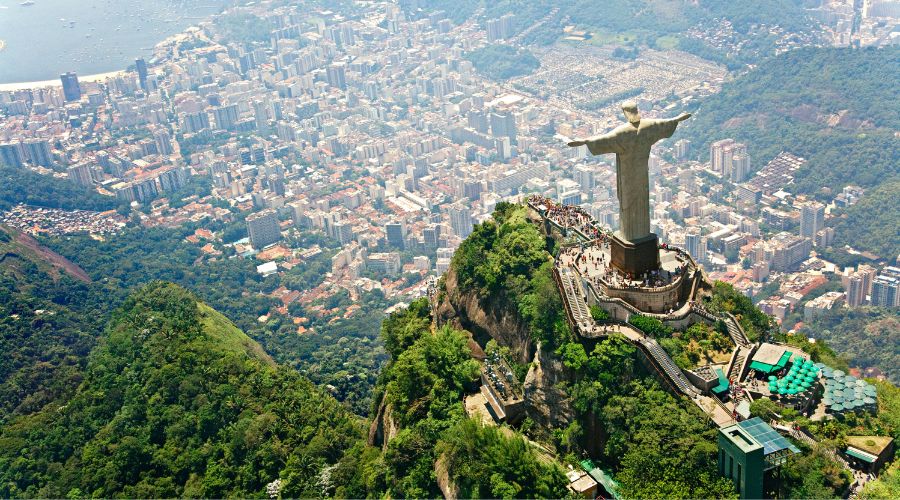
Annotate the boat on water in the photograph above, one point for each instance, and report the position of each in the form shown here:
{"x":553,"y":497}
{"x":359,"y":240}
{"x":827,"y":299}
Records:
{"x":26,"y":3}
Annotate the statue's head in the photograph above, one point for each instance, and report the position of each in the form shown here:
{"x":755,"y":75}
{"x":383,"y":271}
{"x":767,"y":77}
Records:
{"x":631,"y":112}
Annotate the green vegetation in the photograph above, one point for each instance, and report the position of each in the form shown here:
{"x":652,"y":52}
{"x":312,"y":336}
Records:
{"x":886,"y":486}
{"x":866,"y":336}
{"x":725,"y":299}
{"x":658,"y":445}
{"x":488,"y":462}
{"x":808,"y":102}
{"x":687,"y":348}
{"x":242,"y":27}
{"x":599,"y":314}
{"x":855,"y":226}
{"x":699,"y":344}
{"x":650,"y":326}
{"x":343,"y":353}
{"x":170,"y":407}
{"x":507,"y":259}
{"x":813,"y":474}
{"x":502,"y":62}
{"x":20,"y":185}
{"x":48,"y":321}
{"x":423,"y":385}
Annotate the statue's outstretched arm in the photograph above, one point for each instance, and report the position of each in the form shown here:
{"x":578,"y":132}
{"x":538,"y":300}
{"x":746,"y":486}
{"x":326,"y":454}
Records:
{"x":598,"y":145}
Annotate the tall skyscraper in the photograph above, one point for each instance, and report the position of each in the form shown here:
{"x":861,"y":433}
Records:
{"x":503,"y":124}
{"x":432,"y":235}
{"x":11,"y":154}
{"x":695,"y":244}
{"x":194,"y":122}
{"x":855,"y":291}
{"x":71,"y":88}
{"x":740,"y":167}
{"x":460,"y":219}
{"x":396,"y":234}
{"x":163,"y":142}
{"x":336,"y":74}
{"x":141,"y":65}
{"x":812,"y":219}
{"x":81,"y":174}
{"x":263,"y":228}
{"x":38,"y":152}
{"x":682,"y":149}
{"x":717,"y":154}
{"x":886,"y":291}
{"x":493,"y":30}
{"x":226,"y":116}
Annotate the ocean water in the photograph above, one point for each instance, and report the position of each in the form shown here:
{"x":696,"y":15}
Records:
{"x":51,"y":37}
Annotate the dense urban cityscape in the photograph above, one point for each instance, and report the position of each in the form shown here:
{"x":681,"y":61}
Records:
{"x":381,"y":135}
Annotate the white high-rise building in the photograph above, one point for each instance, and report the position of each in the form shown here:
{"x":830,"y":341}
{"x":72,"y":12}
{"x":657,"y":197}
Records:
{"x":460,"y":219}
{"x":812,"y":219}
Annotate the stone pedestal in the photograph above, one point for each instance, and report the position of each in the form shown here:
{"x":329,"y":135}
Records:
{"x":634,"y":257}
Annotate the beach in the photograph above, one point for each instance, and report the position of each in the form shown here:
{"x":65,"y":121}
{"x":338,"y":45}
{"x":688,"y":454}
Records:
{"x":6,"y":87}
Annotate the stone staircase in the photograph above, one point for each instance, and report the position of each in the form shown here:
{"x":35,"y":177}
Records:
{"x":734,"y":372}
{"x":735,"y":331}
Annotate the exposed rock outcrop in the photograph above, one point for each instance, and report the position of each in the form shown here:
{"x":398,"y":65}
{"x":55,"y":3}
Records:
{"x":485,"y":319}
{"x":547,"y":405}
{"x":497,"y":319}
{"x":383,"y":427}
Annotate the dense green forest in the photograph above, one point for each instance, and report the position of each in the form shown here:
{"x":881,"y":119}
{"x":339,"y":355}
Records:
{"x":855,"y":227}
{"x":506,"y":259}
{"x":49,"y":321}
{"x":344,"y":353}
{"x":786,"y":103}
{"x":502,"y":62}
{"x":20,"y":185}
{"x":423,"y":385}
{"x":176,"y":401}
{"x":868,"y":336}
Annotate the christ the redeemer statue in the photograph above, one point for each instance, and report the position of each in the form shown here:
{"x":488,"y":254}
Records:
{"x":631,"y":143}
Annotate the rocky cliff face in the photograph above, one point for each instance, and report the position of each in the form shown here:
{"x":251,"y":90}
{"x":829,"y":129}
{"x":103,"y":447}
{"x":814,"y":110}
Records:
{"x":383,"y":427}
{"x":496,"y":318}
{"x":485,"y":319}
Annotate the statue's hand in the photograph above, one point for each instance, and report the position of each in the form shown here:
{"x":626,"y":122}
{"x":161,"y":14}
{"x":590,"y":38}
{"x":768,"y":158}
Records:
{"x":682,"y":117}
{"x":575,"y":144}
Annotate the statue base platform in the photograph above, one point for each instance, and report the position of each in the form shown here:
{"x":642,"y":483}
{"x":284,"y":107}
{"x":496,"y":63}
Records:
{"x":634,"y":257}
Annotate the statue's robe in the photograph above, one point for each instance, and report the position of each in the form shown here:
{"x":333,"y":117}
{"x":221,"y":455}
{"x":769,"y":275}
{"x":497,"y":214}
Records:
{"x":632,"y":144}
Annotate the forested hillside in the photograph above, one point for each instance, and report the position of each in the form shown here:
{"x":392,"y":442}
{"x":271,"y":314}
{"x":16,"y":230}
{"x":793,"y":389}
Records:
{"x":423,"y":385}
{"x":175,"y":402}
{"x":814,"y":103}
{"x":49,"y":319}
{"x":20,"y":185}
{"x":345,"y":353}
{"x":867,"y":336}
